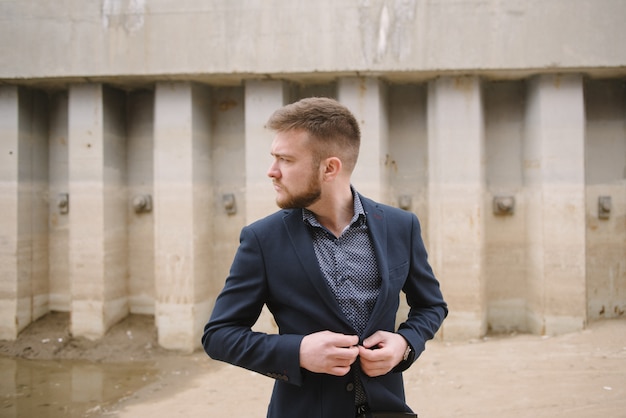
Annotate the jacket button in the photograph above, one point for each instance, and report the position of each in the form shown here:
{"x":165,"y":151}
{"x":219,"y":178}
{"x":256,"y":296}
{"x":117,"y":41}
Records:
{"x":350,"y":387}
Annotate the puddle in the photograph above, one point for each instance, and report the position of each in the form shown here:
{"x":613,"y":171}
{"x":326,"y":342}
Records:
{"x":67,"y":388}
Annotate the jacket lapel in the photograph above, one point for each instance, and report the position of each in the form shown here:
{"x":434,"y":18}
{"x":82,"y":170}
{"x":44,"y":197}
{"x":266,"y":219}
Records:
{"x":377,"y":225}
{"x":303,"y":246}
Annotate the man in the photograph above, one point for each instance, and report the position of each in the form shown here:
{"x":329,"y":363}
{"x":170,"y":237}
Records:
{"x":330,"y":267}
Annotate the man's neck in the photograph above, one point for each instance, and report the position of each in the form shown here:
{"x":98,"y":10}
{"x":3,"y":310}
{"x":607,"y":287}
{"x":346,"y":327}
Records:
{"x":335,"y":211}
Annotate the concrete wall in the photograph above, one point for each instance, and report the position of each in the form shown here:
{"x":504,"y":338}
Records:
{"x":128,"y":167}
{"x":140,"y":191}
{"x":231,"y":39}
{"x":58,"y":203}
{"x":605,"y":149}
{"x":505,"y":264}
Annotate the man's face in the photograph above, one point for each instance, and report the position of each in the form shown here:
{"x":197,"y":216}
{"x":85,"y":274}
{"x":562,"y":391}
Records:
{"x":295,"y":177}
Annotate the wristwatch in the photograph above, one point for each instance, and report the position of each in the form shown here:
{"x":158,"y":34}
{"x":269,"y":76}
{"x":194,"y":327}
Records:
{"x":407,"y":352}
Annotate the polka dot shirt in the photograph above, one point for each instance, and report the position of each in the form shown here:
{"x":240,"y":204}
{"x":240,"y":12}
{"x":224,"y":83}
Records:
{"x":348,"y":263}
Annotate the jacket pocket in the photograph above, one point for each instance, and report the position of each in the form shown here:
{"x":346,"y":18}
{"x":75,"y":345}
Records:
{"x":399,"y":272}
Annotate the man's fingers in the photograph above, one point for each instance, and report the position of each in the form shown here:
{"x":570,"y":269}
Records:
{"x":340,"y":371}
{"x":342,"y":340}
{"x":373,"y":340}
{"x":369,"y":355}
{"x":329,"y":352}
{"x":347,"y":352}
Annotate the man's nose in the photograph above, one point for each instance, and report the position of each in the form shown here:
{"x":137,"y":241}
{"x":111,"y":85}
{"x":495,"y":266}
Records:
{"x":273,"y":171}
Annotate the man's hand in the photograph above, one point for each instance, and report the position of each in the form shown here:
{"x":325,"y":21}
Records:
{"x":388,"y":352}
{"x":329,"y":352}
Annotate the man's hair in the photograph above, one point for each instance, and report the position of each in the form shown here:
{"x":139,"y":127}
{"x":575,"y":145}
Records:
{"x":332,"y":128}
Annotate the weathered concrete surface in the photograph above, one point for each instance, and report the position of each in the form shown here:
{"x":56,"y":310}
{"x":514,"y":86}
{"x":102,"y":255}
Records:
{"x":141,"y":38}
{"x":460,"y":103}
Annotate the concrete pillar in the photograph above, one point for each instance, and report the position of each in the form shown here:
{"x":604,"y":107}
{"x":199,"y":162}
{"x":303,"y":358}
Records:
{"x":140,"y":168}
{"x":13,"y":312}
{"x":554,"y":175}
{"x":366,"y":97}
{"x":182,"y":213}
{"x":58,"y":214}
{"x":262,"y":98}
{"x":456,"y":215}
{"x":97,"y":209}
{"x":23,"y":225}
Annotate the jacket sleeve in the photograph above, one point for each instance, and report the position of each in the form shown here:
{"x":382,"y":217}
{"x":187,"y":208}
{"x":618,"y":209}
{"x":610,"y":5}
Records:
{"x":427,"y":306}
{"x":228,"y":335}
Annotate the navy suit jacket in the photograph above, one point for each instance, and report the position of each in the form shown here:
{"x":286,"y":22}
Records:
{"x":276,"y":265}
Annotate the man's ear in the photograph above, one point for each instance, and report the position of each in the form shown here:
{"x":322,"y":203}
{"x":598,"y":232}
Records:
{"x":332,"y":167}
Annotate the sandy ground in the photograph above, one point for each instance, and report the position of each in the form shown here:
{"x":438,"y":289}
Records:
{"x":575,"y":375}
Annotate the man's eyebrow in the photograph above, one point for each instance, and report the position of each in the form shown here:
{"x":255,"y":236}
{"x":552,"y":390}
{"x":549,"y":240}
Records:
{"x":280,"y":154}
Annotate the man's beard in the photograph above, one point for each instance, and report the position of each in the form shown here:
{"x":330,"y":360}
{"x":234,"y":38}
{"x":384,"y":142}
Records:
{"x":303,"y":200}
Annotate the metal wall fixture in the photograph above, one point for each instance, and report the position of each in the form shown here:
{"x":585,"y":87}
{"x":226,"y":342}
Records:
{"x":503,"y":205}
{"x":63,"y":203}
{"x":604,"y":207}
{"x":229,"y":203}
{"x":405,"y":201}
{"x":142,"y":203}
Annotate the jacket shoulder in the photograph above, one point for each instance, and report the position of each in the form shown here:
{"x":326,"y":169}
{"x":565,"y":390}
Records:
{"x":271,"y":222}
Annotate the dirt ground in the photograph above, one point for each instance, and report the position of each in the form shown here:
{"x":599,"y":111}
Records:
{"x":576,"y":375}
